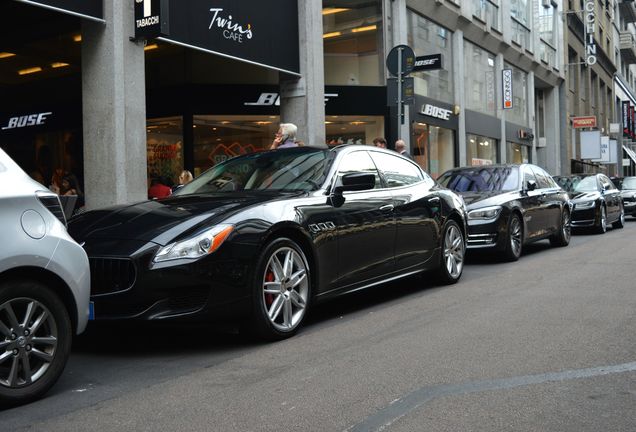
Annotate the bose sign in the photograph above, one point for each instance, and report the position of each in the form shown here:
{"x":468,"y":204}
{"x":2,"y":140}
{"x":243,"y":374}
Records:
{"x":27,"y":120}
{"x":437,"y":112}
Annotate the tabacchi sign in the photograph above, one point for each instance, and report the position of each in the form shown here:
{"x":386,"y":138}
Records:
{"x":590,"y":26}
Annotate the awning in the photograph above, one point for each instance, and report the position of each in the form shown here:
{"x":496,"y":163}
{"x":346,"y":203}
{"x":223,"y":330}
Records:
{"x":89,"y":9}
{"x":630,"y":153}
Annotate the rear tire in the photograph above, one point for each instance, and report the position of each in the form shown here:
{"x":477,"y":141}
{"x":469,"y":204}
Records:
{"x":453,"y":251}
{"x":514,"y":243}
{"x":281,"y":291}
{"x":562,"y":238}
{"x":620,"y":223}
{"x":35,"y":341}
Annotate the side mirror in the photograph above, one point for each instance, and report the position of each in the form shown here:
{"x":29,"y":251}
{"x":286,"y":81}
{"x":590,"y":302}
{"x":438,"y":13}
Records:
{"x":355,"y":182}
{"x":531,"y":185}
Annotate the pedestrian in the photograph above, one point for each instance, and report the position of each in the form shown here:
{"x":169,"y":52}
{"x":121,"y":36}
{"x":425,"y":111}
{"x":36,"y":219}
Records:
{"x":379,"y":142}
{"x":285,"y":137}
{"x":159,"y":188}
{"x":400,"y":147}
{"x":184,"y":178}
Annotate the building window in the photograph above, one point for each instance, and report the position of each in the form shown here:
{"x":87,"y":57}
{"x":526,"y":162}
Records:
{"x":426,"y":38}
{"x":519,"y":113}
{"x":480,"y":81}
{"x":481,"y":150}
{"x":433,"y":148}
{"x":488,"y":12}
{"x":521,"y":23}
{"x":517,"y":153}
{"x":352,"y":37}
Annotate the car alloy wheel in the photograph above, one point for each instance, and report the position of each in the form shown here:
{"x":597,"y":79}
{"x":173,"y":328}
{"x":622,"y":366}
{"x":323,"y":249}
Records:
{"x":283,"y":290}
{"x":602,"y":223}
{"x":453,"y":249}
{"x":35,"y":339}
{"x":565,"y":230}
{"x":620,"y":223}
{"x":515,"y":239}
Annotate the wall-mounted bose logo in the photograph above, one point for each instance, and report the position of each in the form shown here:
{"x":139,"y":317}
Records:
{"x":27,"y":120}
{"x":273,"y":99}
{"x":437,"y":112}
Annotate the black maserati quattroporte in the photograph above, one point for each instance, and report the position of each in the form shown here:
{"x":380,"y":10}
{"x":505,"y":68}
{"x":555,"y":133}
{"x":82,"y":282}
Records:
{"x":261,"y":237}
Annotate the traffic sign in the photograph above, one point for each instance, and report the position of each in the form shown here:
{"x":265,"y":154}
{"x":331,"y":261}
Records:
{"x":408,"y":60}
{"x":408,"y":91}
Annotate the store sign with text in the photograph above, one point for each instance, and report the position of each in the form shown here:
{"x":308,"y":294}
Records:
{"x":24,"y":121}
{"x":437,"y":112}
{"x":584,"y":122}
{"x":627,"y":120}
{"x":262,"y":33}
{"x":507,"y":88}
{"x":86,"y":8}
{"x":589,"y":13}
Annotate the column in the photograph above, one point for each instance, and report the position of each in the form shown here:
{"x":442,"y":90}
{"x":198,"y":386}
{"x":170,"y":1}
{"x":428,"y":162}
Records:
{"x":400,"y":37}
{"x":302,"y":100}
{"x":460,"y":95}
{"x":503,"y":144}
{"x":553,"y":147}
{"x":531,"y":119}
{"x":114,"y":109}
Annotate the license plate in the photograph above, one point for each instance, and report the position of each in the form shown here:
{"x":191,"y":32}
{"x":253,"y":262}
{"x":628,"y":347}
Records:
{"x":91,"y":311}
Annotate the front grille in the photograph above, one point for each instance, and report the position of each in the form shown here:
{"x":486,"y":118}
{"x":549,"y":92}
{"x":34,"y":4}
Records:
{"x":52,"y":204}
{"x":111,"y":275}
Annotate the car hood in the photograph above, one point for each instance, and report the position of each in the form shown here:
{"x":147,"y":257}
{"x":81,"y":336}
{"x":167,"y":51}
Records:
{"x":584,"y":196}
{"x":161,"y":221}
{"x":475,"y":200}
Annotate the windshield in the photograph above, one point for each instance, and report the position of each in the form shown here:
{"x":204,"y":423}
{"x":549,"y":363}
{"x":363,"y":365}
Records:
{"x":289,"y":169}
{"x":567,"y":183}
{"x":587,"y":184}
{"x":498,"y":179}
{"x":629,"y":183}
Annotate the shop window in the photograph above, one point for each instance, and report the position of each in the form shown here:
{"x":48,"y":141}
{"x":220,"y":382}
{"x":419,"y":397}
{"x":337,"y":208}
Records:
{"x":353,"y":129}
{"x":218,"y":138}
{"x":519,"y":113}
{"x":353,"y":41}
{"x":481,"y":150}
{"x":517,"y":153}
{"x":433,"y":148}
{"x":480,"y":82}
{"x":165,"y":148}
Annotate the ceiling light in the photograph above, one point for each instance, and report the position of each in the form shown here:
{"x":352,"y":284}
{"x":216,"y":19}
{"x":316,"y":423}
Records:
{"x":59,"y":65}
{"x":330,"y":35}
{"x":30,"y":70}
{"x":77,"y":38}
{"x":6,"y":55}
{"x":328,"y":122}
{"x":331,"y":11}
{"x":151,"y":47}
{"x":364,"y":29}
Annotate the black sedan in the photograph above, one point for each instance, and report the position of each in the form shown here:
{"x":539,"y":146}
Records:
{"x":596,"y":201}
{"x":511,"y":205}
{"x":261,"y":237}
{"x":628,"y":193}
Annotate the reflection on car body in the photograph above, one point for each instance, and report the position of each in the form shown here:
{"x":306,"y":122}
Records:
{"x":511,"y":205}
{"x":296,"y":226}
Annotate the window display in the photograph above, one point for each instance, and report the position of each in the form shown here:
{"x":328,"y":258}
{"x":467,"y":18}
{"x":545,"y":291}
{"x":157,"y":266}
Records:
{"x":165,"y":148}
{"x":481,"y":150}
{"x":433,"y":148}
{"x":517,"y":153}
{"x":353,"y":129}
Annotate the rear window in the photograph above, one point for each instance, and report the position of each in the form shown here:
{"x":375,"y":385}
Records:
{"x":501,"y":179}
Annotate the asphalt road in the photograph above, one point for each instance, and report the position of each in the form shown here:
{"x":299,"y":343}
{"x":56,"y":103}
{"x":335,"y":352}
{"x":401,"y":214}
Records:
{"x":544,"y":344}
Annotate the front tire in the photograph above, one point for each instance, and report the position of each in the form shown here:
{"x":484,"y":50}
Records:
{"x":282,"y":290}
{"x":562,"y":238}
{"x":35,"y":341}
{"x":601,"y":228}
{"x":453,"y":252}
{"x":620,"y":223}
{"x":514,"y":243}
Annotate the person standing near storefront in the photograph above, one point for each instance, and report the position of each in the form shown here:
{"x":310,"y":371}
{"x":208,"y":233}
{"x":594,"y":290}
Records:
{"x":379,"y":142}
{"x":285,"y":137}
{"x":400,"y":147}
{"x":184,"y":178}
{"x":159,"y":188}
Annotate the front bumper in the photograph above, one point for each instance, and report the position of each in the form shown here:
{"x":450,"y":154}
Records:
{"x":585,"y":217}
{"x":630,"y":207}
{"x":129,"y":286}
{"x":486,"y":234}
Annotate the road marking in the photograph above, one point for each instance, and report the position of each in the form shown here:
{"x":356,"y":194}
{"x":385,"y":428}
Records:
{"x":402,"y":406}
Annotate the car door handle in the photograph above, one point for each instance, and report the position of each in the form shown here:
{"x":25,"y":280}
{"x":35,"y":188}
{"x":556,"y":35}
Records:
{"x":387,"y":208}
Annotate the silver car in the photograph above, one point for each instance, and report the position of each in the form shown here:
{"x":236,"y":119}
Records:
{"x":44,"y":287}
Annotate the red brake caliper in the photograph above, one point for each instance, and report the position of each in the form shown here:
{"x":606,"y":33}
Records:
{"x":269,"y":298}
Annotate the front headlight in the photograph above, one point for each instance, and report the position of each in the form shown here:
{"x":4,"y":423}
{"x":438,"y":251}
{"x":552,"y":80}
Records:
{"x":485,"y":213}
{"x":585,"y":204}
{"x":195,"y":247}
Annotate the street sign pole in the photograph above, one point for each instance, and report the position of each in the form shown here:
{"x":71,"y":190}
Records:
{"x":400,"y":117}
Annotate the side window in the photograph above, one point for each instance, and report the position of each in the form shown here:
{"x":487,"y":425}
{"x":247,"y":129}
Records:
{"x":528,"y":175}
{"x":359,"y":161}
{"x":606,"y":183}
{"x":396,"y":171}
{"x":542,"y":179}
